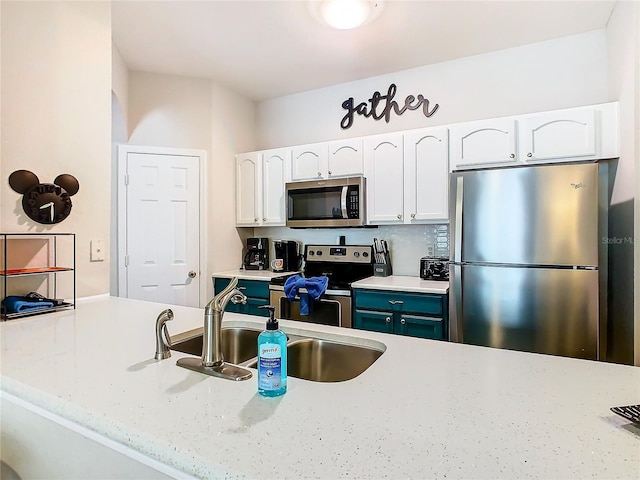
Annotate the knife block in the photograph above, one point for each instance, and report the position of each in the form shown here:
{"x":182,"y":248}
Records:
{"x":381,"y":269}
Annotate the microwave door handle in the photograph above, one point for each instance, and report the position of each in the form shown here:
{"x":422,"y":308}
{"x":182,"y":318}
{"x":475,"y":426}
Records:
{"x":343,"y":202}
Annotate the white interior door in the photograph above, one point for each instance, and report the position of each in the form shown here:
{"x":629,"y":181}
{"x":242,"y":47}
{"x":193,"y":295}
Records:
{"x":162,"y":227}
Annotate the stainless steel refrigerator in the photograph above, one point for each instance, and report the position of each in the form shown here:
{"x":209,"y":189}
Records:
{"x":528,"y":258}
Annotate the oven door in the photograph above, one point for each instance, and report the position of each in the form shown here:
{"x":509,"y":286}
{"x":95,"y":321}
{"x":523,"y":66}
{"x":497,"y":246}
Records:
{"x":333,"y":308}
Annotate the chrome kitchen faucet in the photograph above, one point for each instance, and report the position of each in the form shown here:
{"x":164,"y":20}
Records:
{"x":212,"y":361}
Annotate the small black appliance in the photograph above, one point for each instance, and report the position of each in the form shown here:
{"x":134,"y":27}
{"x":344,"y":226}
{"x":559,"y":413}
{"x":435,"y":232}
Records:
{"x":289,"y":252}
{"x":433,"y":268}
{"x":257,"y":256}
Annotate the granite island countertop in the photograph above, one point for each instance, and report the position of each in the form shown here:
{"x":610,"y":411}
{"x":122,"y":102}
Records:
{"x":424,"y":409}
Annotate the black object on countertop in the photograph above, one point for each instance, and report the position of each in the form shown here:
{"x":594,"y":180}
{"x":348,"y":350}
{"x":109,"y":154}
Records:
{"x":630,"y":412}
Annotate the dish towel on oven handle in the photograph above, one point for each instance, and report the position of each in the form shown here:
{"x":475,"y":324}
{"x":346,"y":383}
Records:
{"x":315,"y":286}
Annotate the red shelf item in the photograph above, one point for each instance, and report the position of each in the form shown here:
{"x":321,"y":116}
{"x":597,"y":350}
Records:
{"x":27,"y":271}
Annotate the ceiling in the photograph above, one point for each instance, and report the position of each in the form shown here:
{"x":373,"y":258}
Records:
{"x":269,"y":48}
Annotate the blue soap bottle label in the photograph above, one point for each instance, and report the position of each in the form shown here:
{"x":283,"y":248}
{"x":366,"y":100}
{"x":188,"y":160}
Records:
{"x":270,"y":366}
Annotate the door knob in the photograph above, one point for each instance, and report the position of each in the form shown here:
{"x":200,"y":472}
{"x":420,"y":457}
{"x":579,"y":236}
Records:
{"x":192,"y":274}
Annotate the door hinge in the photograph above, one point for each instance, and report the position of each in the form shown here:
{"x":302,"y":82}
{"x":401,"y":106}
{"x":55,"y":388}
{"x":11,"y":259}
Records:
{"x":126,"y":179}
{"x":126,"y":260}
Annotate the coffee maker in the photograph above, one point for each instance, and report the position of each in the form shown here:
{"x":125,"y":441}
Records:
{"x":289,"y":252}
{"x":257,"y":256}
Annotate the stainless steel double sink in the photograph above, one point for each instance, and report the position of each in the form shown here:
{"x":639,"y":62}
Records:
{"x":308,"y":358}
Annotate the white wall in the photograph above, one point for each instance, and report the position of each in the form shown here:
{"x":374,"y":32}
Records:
{"x":181,"y":112}
{"x":56,"y":112}
{"x":566,"y":72}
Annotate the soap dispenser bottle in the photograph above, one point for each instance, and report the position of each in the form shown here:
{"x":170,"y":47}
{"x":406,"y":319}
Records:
{"x":272,"y":358}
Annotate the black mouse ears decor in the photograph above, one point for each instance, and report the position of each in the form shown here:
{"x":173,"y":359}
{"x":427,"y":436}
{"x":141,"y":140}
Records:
{"x":46,"y":203}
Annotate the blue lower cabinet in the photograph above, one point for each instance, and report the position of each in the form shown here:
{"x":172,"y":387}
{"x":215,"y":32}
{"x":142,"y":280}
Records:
{"x":373,"y":321}
{"x":423,"y":327}
{"x":257,"y":293}
{"x":410,"y":314}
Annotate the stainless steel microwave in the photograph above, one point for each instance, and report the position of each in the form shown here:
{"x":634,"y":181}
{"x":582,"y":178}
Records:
{"x":338,"y":202}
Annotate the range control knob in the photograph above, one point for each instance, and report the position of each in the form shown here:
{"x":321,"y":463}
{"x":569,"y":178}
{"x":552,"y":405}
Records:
{"x":365,"y":254}
{"x":311,"y":253}
{"x":319,"y":253}
{"x":356,"y":254}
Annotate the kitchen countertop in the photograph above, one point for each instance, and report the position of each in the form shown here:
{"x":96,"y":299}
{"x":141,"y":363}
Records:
{"x":403,"y":284}
{"x":424,"y":409}
{"x":263,"y":275}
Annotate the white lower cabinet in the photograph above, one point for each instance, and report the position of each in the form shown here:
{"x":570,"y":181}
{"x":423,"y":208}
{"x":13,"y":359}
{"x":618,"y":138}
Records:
{"x":260,"y":185}
{"x":426,"y":175}
{"x":384,"y":173}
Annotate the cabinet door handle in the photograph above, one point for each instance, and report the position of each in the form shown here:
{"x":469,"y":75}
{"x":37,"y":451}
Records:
{"x":403,"y":321}
{"x":413,"y":215}
{"x":192,"y":274}
{"x":264,"y":219}
{"x":388,"y":319}
{"x":319,"y":174}
{"x":513,"y":155}
{"x":330,"y":172}
{"x":399,"y":216}
{"x":529,"y":154}
{"x":396,"y":302}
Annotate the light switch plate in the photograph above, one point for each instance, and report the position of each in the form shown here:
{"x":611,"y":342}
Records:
{"x":97,"y":250}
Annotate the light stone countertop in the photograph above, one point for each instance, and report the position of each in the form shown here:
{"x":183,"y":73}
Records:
{"x":262,"y":275}
{"x":403,"y":284}
{"x":424,"y":409}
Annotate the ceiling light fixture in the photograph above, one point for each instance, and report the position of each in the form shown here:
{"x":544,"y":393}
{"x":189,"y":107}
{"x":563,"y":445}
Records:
{"x":345,"y":14}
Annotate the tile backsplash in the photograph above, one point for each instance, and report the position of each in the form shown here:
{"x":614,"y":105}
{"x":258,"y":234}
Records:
{"x":407,"y":243}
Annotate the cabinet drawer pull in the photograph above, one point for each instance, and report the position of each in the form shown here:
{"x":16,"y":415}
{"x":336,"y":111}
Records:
{"x":513,"y":155}
{"x":399,"y":216}
{"x":330,"y":172}
{"x":319,"y":174}
{"x":529,"y":154}
{"x":396,"y":302}
{"x":388,"y":319}
{"x":403,"y":321}
{"x":413,"y":215}
{"x":255,"y":219}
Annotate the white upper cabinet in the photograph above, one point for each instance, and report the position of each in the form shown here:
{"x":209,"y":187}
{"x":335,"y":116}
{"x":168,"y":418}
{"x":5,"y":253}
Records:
{"x":426,"y":175}
{"x":345,"y":158}
{"x":582,"y":133}
{"x":487,"y":142}
{"x":274,"y":164}
{"x":572,"y":134}
{"x":248,"y":170}
{"x":384,"y":172}
{"x":309,"y":162}
{"x":317,"y":161}
{"x":260,"y":181}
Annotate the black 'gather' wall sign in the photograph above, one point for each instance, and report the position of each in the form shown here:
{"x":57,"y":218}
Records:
{"x":372,"y":108}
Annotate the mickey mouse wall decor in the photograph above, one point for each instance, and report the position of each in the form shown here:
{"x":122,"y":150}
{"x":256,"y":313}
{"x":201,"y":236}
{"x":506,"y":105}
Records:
{"x":45,"y":203}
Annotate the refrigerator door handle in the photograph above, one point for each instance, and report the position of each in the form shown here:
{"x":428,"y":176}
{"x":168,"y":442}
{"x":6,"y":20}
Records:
{"x":457,"y":233}
{"x":455,"y":304}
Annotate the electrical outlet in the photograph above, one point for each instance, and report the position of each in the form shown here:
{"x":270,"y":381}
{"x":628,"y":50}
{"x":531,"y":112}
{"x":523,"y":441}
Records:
{"x":431,"y":250}
{"x":97,"y":250}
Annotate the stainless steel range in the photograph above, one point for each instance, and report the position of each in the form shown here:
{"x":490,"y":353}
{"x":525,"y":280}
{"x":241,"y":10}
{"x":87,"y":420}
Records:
{"x":342,"y":265}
